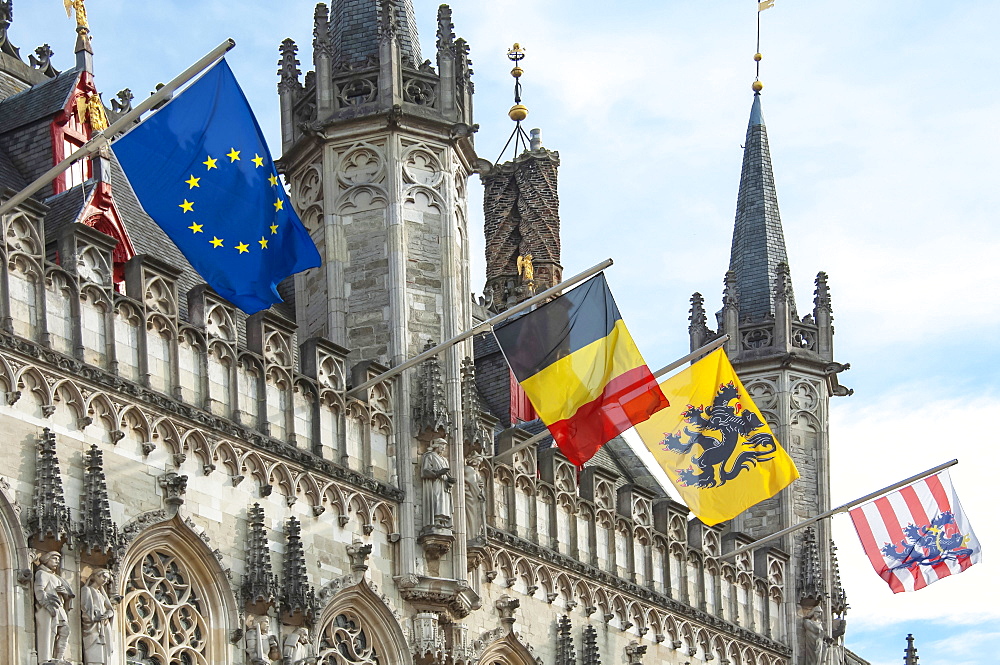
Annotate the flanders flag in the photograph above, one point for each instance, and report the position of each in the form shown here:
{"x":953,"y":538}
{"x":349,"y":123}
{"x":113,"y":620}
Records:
{"x":713,"y":443}
{"x":580,"y":368}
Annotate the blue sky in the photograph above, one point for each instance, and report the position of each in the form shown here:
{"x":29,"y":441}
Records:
{"x":882,"y":120}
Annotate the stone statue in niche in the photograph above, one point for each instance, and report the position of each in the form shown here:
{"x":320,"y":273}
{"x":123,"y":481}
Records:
{"x":259,"y":645}
{"x":53,"y":599}
{"x":815,"y":646}
{"x":436,"y":474}
{"x":475,"y":501}
{"x":96,"y":616}
{"x":297,"y":648}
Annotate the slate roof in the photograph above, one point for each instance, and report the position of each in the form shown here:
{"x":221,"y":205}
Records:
{"x":38,"y":101}
{"x":758,"y":239}
{"x":10,"y":176}
{"x":64,"y":208}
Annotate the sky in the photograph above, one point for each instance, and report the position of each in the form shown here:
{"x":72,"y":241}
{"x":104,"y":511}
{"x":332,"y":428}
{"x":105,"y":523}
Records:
{"x":882,"y":122}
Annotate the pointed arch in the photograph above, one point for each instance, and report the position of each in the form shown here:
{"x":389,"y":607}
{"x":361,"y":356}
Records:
{"x":508,"y":650}
{"x":176,"y":603}
{"x":357,"y":620}
{"x":14,"y":558}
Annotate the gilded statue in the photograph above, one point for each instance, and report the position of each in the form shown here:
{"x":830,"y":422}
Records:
{"x":525,"y":268}
{"x":77,"y":7}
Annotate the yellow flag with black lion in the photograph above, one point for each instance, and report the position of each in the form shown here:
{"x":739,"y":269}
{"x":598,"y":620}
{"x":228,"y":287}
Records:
{"x":713,"y":442}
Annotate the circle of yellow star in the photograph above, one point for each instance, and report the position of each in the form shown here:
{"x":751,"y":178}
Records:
{"x":216,"y":242}
{"x":192,"y":182}
{"x":274,"y":229}
{"x":187,"y":206}
{"x":257,"y":160}
{"x":243,"y":247}
{"x":196,"y":227}
{"x":279,"y":204}
{"x":210,"y":163}
{"x":263,"y":242}
{"x":273,"y":180}
{"x":233,"y":155}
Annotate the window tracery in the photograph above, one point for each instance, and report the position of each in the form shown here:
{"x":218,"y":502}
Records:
{"x":164,"y":620}
{"x":344,"y":642}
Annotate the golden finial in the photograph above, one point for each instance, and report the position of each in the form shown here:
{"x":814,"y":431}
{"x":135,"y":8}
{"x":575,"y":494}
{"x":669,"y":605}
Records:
{"x":518,"y":111}
{"x":757,"y":57}
{"x":757,"y":86}
{"x":80,"y":10}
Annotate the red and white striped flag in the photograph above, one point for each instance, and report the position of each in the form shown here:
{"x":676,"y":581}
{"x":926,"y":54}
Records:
{"x":917,"y":534}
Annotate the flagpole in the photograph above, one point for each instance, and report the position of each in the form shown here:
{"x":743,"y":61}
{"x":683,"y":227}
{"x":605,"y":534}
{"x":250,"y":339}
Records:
{"x":708,"y":348}
{"x":840,"y":509}
{"x":356,"y":391}
{"x":101,"y":139}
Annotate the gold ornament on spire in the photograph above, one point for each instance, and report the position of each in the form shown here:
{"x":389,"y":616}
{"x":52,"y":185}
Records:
{"x":78,"y":8}
{"x":518,"y":111}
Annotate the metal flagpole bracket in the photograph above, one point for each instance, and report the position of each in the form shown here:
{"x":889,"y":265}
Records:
{"x":100,"y":140}
{"x":356,"y":391}
{"x":694,"y":355}
{"x":839,"y":509}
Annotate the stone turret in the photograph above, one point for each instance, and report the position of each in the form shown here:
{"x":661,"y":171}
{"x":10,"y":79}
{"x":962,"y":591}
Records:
{"x":786,"y":363}
{"x":377,"y":152}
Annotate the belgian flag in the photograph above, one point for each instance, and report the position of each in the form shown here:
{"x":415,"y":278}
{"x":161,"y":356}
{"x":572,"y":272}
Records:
{"x":578,"y":365}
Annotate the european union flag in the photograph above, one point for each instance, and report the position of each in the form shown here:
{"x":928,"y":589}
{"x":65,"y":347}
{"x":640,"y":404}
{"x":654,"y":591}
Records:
{"x":202,"y":171}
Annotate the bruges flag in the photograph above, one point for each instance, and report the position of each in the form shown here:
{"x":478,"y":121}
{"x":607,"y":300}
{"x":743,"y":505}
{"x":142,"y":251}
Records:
{"x":578,"y":365}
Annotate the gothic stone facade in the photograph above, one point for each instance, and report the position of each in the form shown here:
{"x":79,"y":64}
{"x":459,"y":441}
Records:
{"x":214,"y":494}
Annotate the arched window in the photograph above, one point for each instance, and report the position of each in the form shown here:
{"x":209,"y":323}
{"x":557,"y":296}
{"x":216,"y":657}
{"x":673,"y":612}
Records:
{"x":164,"y":613}
{"x":357,"y":628}
{"x":173,"y":611}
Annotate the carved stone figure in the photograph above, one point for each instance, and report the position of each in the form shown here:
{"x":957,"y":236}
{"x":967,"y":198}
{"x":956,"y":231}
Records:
{"x":96,"y":616}
{"x":437,"y":479}
{"x":815,"y":645}
{"x":259,"y":645}
{"x":475,"y":502}
{"x":53,"y":599}
{"x":297,"y":648}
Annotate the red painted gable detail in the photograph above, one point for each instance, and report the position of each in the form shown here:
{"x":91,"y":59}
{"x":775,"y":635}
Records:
{"x":69,"y":131}
{"x":101,"y":213}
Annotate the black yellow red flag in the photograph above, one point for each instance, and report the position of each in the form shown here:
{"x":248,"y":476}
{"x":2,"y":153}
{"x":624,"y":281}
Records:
{"x":580,"y":369}
{"x":713,"y":442}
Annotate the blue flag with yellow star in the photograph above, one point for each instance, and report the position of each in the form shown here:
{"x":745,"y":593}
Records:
{"x":202,"y":171}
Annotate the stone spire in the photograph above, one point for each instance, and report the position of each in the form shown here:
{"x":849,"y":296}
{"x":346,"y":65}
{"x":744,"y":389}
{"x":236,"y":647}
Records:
{"x":758,"y":241}
{"x":431,"y":411}
{"x":810,"y":585}
{"x":565,"y":652}
{"x":591,"y":653}
{"x":99,"y":540}
{"x":910,"y":656}
{"x":260,"y":585}
{"x":48,"y":521}
{"x":298,"y":598}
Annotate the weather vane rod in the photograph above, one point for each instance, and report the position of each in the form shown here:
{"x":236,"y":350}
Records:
{"x":518,"y":111}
